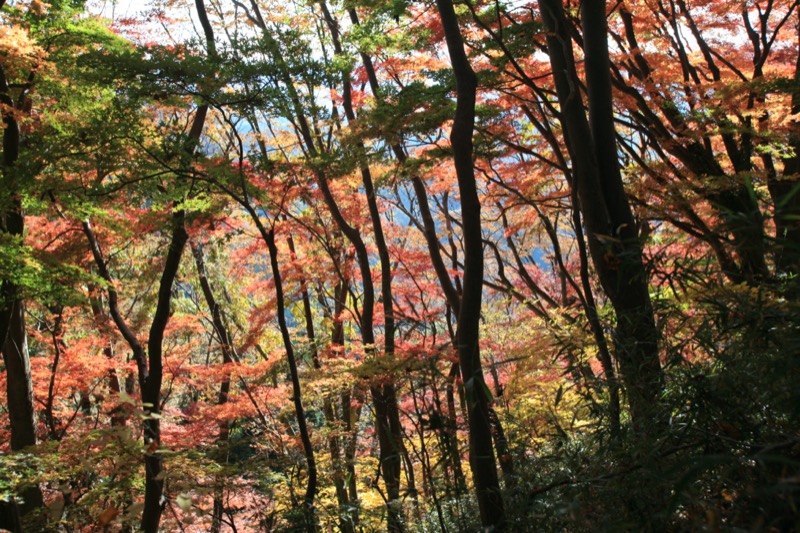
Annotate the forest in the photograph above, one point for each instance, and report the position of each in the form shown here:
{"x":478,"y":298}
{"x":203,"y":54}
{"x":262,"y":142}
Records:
{"x":400,"y":265}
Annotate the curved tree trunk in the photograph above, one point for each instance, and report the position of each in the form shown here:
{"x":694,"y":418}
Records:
{"x":148,"y":362}
{"x":297,"y":397}
{"x":151,"y":387}
{"x":268,"y":235}
{"x":386,"y":403}
{"x":390,"y":456}
{"x":482,"y":458}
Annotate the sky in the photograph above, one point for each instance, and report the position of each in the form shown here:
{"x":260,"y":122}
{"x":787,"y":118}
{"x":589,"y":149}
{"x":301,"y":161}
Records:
{"x":115,"y":9}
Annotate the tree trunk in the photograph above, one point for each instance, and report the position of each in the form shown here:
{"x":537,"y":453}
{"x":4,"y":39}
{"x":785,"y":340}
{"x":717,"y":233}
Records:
{"x":18,"y":380}
{"x":297,"y":397}
{"x":386,"y":404}
{"x":151,"y":388}
{"x":482,"y":459}
{"x":346,"y":524}
{"x":226,"y":347}
{"x":785,"y":193}
{"x":13,"y":336}
{"x":390,"y":459}
{"x":613,"y":238}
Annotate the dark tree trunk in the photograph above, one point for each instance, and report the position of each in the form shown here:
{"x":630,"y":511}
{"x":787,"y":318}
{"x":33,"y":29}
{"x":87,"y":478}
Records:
{"x":428,"y":224}
{"x":451,"y":431}
{"x":13,"y":336}
{"x":386,"y":404}
{"x":350,"y":416}
{"x":18,"y":381}
{"x":20,"y":401}
{"x":151,"y":388}
{"x":482,"y":459}
{"x":613,"y":239}
{"x":449,"y":289}
{"x":56,"y":333}
{"x":268,"y":235}
{"x":346,"y":523}
{"x":148,"y":362}
{"x":785,"y":193}
{"x":226,"y":347}
{"x":390,"y":457}
{"x":389,"y":450}
{"x":297,"y":397}
{"x":151,"y":385}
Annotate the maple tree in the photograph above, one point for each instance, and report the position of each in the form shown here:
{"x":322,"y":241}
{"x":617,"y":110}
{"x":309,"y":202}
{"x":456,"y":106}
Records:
{"x":399,"y":266}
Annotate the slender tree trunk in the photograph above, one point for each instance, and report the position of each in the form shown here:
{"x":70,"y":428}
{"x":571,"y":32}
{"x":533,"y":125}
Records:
{"x":228,"y":357}
{"x":151,"y":387}
{"x":450,"y":432}
{"x":428,"y":478}
{"x":18,"y":380}
{"x":450,"y":291}
{"x":345,"y":516}
{"x":390,"y":451}
{"x":149,"y":363}
{"x":350,"y":416}
{"x":482,"y":459}
{"x":20,"y":397}
{"x":297,"y":397}
{"x":56,"y":333}
{"x":428,"y":224}
{"x":386,"y":403}
{"x":604,"y":355}
{"x":390,"y":457}
{"x":268,"y":235}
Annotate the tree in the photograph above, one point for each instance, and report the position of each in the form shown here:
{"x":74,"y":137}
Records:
{"x":482,"y":459}
{"x":593,"y":204}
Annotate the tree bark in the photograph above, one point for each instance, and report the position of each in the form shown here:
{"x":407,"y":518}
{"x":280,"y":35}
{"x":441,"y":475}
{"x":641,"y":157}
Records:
{"x":226,"y":347}
{"x":482,"y":459}
{"x":612,"y":234}
{"x":386,"y":403}
{"x":382,"y":400}
{"x":346,"y":522}
{"x":785,"y":192}
{"x":151,"y":388}
{"x":297,"y":397}
{"x":13,"y":336}
{"x":18,"y":381}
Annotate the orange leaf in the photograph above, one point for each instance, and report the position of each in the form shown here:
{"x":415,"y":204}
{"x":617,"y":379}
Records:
{"x":107,"y":516}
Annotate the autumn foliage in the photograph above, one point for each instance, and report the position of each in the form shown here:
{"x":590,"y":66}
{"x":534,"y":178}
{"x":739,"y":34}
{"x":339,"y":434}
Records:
{"x":400,"y":266}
